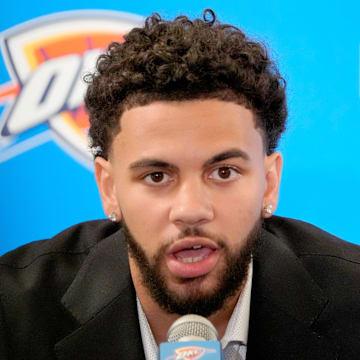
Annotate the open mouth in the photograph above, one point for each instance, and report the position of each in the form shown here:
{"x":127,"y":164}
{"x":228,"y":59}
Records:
{"x":195,"y":254}
{"x":192,"y":257}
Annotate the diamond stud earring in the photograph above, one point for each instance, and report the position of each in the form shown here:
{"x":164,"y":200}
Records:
{"x":268,"y":209}
{"x":112,"y":217}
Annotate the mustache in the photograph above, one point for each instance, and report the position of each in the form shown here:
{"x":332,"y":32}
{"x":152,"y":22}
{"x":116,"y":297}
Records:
{"x":191,"y":231}
{"x":198,"y":232}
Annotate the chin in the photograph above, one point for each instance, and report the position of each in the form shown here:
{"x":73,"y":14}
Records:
{"x":202,"y":286}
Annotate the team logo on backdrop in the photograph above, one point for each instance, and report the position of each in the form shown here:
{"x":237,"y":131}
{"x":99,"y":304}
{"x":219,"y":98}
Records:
{"x":46,"y":59}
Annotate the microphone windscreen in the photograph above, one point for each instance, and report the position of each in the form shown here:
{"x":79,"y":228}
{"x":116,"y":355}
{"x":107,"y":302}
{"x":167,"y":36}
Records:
{"x":191,"y":337}
{"x":192,"y":327}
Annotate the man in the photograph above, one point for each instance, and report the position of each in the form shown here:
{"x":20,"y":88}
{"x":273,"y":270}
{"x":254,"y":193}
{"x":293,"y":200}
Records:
{"x":185,"y":120}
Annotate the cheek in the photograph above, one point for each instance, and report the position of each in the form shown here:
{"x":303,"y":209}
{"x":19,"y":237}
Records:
{"x":240,"y":211}
{"x":243,"y":213}
{"x":144,"y":216}
{"x":251,"y":204}
{"x":246,"y":195}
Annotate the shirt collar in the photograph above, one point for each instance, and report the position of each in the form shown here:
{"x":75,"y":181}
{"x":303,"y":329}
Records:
{"x":238,"y":325}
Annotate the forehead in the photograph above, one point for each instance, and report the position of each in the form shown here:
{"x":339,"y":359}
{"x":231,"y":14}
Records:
{"x":196,"y":126}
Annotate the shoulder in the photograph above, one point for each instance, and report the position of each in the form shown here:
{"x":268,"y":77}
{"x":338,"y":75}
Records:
{"x":75,"y":240}
{"x":307,"y":275}
{"x":35,"y":277}
{"x":305,"y":239}
{"x":334,"y":264}
{"x":60,"y":257}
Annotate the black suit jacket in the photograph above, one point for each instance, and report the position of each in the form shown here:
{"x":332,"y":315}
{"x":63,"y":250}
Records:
{"x":71,"y":297}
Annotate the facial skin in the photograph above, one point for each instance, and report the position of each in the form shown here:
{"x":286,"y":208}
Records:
{"x":230,"y":278}
{"x":183,"y":174}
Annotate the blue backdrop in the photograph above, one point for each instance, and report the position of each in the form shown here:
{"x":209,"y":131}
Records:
{"x":46,"y":178}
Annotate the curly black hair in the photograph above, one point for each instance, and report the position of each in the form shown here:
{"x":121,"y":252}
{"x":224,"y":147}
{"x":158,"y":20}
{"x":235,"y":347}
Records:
{"x":184,"y":60}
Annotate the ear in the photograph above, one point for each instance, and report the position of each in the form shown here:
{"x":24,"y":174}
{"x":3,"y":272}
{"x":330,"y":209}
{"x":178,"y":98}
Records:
{"x":105,"y":181}
{"x":273,"y":168}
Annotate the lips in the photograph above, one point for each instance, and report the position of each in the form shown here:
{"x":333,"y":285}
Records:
{"x":192,"y":257}
{"x":197,"y":253}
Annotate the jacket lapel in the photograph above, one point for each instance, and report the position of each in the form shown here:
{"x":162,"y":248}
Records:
{"x":285,"y":306}
{"x":102,"y":300}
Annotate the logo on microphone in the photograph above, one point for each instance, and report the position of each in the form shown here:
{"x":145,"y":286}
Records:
{"x":46,"y":59}
{"x":190,"y":353}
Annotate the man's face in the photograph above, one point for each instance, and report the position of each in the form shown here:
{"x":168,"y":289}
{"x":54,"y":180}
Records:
{"x":190,"y":180}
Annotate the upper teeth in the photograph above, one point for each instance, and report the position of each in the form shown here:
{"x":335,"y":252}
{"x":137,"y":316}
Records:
{"x":190,"y":260}
{"x":196,"y":246}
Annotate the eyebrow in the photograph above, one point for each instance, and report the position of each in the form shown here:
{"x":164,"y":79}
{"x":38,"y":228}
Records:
{"x":228,"y":154}
{"x":151,"y":163}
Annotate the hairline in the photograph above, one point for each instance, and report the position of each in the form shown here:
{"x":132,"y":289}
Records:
{"x":129,"y":104}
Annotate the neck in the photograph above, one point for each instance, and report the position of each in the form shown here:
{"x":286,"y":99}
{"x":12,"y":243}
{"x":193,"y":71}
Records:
{"x":160,"y":320}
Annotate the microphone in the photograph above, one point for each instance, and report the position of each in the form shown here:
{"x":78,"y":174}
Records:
{"x":191,"y":337}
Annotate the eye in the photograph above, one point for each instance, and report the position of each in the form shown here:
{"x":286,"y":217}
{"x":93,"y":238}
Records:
{"x":157,"y":178}
{"x":224,"y":173}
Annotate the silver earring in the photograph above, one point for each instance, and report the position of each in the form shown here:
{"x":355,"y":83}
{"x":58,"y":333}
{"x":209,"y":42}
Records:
{"x":96,"y":150}
{"x":112,"y":217}
{"x":269,"y":209}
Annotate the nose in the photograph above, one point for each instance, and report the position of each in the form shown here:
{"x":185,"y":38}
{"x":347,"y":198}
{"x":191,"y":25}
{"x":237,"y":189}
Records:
{"x":191,"y":205}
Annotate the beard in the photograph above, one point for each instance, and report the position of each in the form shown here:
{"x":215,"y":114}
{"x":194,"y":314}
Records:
{"x":230,"y":278}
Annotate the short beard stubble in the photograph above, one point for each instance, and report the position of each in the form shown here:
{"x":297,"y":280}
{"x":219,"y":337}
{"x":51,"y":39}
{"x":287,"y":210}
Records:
{"x":229,"y":281}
